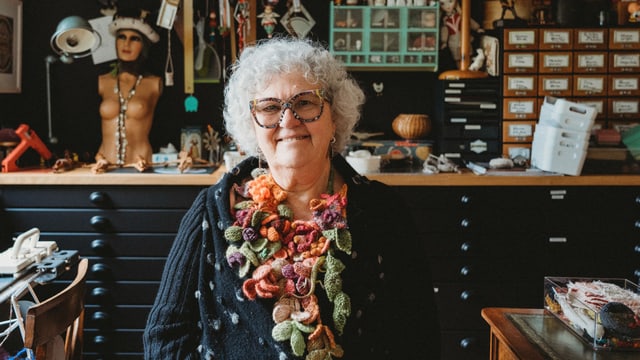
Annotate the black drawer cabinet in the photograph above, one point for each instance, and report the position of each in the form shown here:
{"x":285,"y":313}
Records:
{"x":493,"y":245}
{"x":125,"y":232}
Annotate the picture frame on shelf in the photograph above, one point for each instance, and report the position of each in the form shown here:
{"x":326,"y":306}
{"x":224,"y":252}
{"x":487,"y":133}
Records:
{"x":11,"y":46}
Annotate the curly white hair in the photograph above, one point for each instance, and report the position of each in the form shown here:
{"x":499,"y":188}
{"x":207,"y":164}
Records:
{"x":258,"y":65}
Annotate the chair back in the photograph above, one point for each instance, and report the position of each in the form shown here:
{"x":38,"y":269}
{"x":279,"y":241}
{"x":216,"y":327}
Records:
{"x":60,"y":315}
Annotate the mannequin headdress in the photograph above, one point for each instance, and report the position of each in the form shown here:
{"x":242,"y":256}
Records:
{"x":134,"y":19}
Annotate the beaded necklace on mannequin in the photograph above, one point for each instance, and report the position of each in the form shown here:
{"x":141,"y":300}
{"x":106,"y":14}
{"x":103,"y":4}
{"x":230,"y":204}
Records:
{"x":132,"y":67}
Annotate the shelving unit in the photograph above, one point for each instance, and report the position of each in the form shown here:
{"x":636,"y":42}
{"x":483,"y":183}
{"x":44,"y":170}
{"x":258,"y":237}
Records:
{"x":385,"y":37}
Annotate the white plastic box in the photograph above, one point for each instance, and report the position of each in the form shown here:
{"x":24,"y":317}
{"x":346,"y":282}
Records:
{"x":559,"y":150}
{"x":567,"y":115}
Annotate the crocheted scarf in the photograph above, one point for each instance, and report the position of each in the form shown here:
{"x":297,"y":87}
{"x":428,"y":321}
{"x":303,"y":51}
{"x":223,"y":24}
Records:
{"x":288,"y":258}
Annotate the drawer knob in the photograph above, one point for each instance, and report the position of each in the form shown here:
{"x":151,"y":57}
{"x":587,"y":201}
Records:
{"x":465,"y":271}
{"x":465,"y":223}
{"x":99,"y":222}
{"x":101,"y":294}
{"x":637,"y":273}
{"x":101,"y":270}
{"x":102,"y":318}
{"x":100,"y":246}
{"x":466,"y":295}
{"x":98,"y":198}
{"x":464,"y":199}
{"x":637,"y":248}
{"x":467,"y":343}
{"x":465,"y":247}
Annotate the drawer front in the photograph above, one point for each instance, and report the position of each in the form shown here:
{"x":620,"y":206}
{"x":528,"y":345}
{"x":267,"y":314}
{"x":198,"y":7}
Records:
{"x":125,"y":292}
{"x":120,"y":317}
{"x":114,"y":245}
{"x":125,"y":269}
{"x":105,"y":197}
{"x":102,"y":221}
{"x":111,"y":344}
{"x":459,"y":305}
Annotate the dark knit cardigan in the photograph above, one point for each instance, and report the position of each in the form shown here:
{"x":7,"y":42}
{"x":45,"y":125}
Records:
{"x":201,"y":312}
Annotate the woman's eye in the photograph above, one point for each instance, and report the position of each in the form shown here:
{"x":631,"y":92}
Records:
{"x":269,"y":108}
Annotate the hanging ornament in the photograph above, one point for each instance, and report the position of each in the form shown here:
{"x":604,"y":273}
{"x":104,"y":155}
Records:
{"x":297,"y":21}
{"x":269,"y":18}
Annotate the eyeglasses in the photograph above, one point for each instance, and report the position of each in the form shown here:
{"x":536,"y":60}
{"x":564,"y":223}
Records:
{"x":306,"y":107}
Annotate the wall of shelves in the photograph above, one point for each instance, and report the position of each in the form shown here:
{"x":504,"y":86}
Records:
{"x":385,"y":38}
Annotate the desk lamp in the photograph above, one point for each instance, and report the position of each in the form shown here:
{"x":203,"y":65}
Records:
{"x":74,"y":38}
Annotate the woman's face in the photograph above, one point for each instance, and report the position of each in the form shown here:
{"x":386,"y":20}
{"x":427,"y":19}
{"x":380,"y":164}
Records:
{"x":293,"y":144}
{"x":129,"y":44}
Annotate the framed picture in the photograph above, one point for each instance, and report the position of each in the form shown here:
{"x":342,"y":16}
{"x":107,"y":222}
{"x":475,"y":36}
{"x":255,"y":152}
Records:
{"x":10,"y":46}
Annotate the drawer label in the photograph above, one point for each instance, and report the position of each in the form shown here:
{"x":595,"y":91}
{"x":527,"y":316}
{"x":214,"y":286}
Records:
{"x":521,"y":83}
{"x":625,"y":107}
{"x":626,"y":60}
{"x":556,"y":37}
{"x":521,"y":60}
{"x":591,"y":37}
{"x":591,"y":84}
{"x":521,"y":107}
{"x":625,"y":84}
{"x":555,"y":61}
{"x":520,"y":130}
{"x":556,"y":84}
{"x":591,"y":60}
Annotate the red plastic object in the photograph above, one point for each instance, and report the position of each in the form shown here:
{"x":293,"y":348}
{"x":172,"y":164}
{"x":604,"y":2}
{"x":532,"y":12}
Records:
{"x":28,"y":139}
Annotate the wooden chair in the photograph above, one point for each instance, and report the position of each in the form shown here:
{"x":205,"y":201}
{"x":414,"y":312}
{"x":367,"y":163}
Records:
{"x":60,"y":315}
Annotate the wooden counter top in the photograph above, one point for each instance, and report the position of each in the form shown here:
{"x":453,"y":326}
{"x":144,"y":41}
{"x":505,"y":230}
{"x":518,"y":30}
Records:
{"x":85,"y":177}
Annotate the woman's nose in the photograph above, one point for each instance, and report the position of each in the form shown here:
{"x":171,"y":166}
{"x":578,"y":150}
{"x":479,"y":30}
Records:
{"x":288,"y":119}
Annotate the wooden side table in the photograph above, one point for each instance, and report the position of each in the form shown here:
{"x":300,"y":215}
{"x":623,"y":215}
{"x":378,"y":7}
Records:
{"x":534,"y":334}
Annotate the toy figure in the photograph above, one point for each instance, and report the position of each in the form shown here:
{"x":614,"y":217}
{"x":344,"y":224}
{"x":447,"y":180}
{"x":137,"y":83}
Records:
{"x":269,"y":19}
{"x":634,"y":12}
{"x":450,"y":32}
{"x":241,"y":14}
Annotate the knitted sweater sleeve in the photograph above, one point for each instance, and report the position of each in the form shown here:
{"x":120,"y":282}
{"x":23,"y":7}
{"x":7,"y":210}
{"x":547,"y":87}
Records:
{"x":171,"y":331}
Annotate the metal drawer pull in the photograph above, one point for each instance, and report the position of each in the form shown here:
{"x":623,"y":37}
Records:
{"x":557,"y":239}
{"x":467,"y":343}
{"x":466,"y":295}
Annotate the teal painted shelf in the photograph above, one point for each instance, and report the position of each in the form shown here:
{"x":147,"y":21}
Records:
{"x":387,"y":38}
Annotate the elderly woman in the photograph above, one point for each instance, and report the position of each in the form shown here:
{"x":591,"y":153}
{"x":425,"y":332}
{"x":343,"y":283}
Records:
{"x":129,"y":94}
{"x":292,"y":254}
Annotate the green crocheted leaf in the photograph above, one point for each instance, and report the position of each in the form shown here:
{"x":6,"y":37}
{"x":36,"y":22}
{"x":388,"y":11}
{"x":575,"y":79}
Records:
{"x":304,"y":328}
{"x":282,"y":331}
{"x":333,"y":264}
{"x":243,"y":205}
{"x":243,"y":270}
{"x":330,"y":234}
{"x":257,"y":218}
{"x":332,"y":284}
{"x":270,"y":249}
{"x":341,"y":311}
{"x":233,"y":234}
{"x":285,"y":211}
{"x":249,"y":254}
{"x":344,"y":241}
{"x":297,"y":342}
{"x":258,"y":245}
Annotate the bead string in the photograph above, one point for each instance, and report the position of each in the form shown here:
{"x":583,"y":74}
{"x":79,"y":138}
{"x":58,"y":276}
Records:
{"x":121,"y":134}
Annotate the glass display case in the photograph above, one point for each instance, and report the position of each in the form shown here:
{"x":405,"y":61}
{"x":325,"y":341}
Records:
{"x":385,"y":37}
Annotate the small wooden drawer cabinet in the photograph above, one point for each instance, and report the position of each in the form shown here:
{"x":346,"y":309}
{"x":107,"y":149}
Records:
{"x":125,"y":232}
